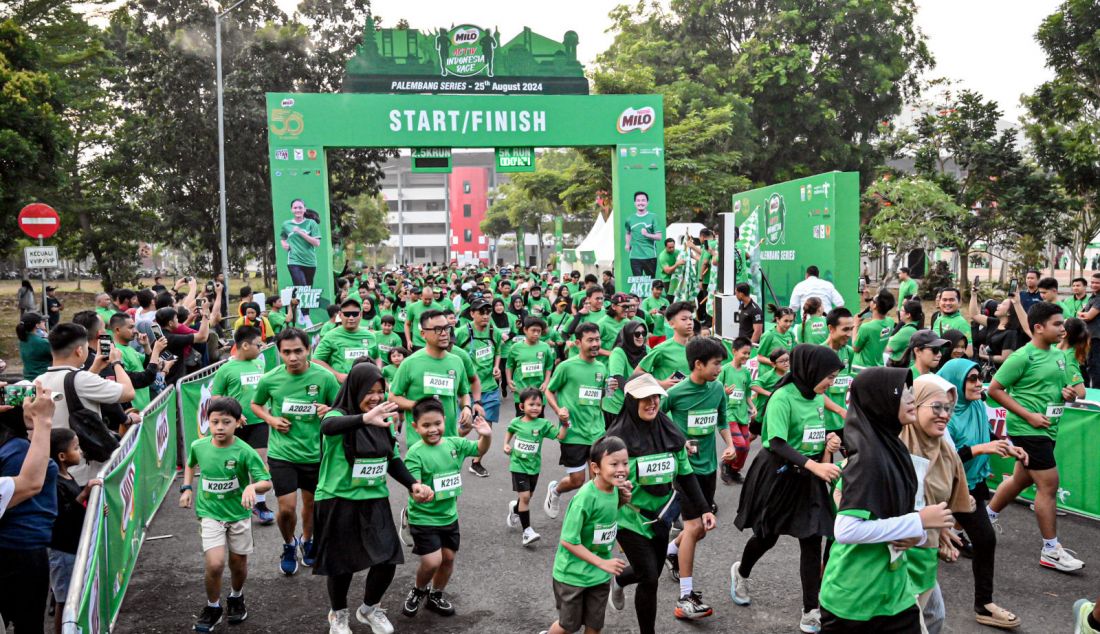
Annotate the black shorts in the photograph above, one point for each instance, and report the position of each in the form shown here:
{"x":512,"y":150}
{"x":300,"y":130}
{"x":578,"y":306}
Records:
{"x":1040,"y":451}
{"x":254,"y":435}
{"x":573,"y":456}
{"x":524,"y":481}
{"x":288,"y":477}
{"x":708,"y":483}
{"x":428,"y":539}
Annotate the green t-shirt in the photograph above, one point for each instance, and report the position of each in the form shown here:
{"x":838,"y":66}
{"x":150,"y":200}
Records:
{"x":412,"y":318}
{"x":294,"y":397}
{"x":664,"y":258}
{"x":813,"y":330}
{"x":224,"y":472}
{"x":483,"y":347}
{"x":340,"y":348}
{"x":871,"y":341}
{"x":955,"y":321}
{"x":526,"y":456}
{"x":578,"y":386}
{"x":365,"y":480}
{"x":538,"y":307}
{"x":326,"y":328}
{"x":641,"y":247}
{"x":609,"y":329}
{"x":666,"y":359}
{"x":658,"y":325}
{"x":529,"y":364}
{"x":438,"y":466}
{"x":700,"y":412}
{"x":798,"y":421}
{"x":737,"y":409}
{"x":383,"y":343}
{"x":906,"y":289}
{"x":134,"y":363}
{"x":423,"y":375}
{"x":1034,"y":378}
{"x":654,"y":469}
{"x":238,"y":380}
{"x":591,"y":520}
{"x":277,"y":319}
{"x":1071,"y":305}
{"x":388,"y":372}
{"x":767,"y":381}
{"x":617,"y":365}
{"x":860,"y":583}
{"x":923,"y":565}
{"x":773,"y":339}
{"x":301,"y":253}
{"x":899,"y":342}
{"x":838,"y":391}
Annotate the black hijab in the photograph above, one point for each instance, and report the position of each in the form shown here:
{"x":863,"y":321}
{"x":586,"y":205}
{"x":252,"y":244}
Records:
{"x":501,"y":318}
{"x":367,"y":441}
{"x":625,"y":340}
{"x":879,"y":476}
{"x":646,"y":438}
{"x":810,"y":365}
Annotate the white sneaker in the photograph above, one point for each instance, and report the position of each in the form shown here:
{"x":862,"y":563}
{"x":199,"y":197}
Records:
{"x":552,"y":505}
{"x":617,"y":598}
{"x":1060,"y":559}
{"x":338,"y":622}
{"x":530,"y":536}
{"x":404,"y":534}
{"x":811,"y":621}
{"x":376,"y":619}
{"x":512,"y":519}
{"x":739,"y":586}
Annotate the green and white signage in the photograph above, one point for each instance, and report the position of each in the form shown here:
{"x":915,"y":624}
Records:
{"x":515,"y":159}
{"x":431,"y":160}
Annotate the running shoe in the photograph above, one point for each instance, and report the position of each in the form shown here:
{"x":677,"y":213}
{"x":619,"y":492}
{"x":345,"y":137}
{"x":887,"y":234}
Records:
{"x":512,"y":519}
{"x":673,"y":562}
{"x":739,"y":586}
{"x":264,"y":514}
{"x":338,"y":622}
{"x":289,"y":561}
{"x":691,"y":607}
{"x":811,"y":621}
{"x":1082,"y":608}
{"x":552,"y":505}
{"x":478,"y":469}
{"x":405,"y":535}
{"x":375,"y":618}
{"x":439,"y":604}
{"x":209,"y":619}
{"x":714,"y":508}
{"x":966,"y":549}
{"x":413,"y":601}
{"x":530,"y":536}
{"x":726,"y":473}
{"x":617,"y":597}
{"x":737,"y":477}
{"x":235,"y":611}
{"x":307,"y":552}
{"x":1060,"y":559}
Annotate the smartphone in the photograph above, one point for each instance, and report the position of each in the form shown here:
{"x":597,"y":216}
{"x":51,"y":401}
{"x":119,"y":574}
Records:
{"x":14,"y":394}
{"x":976,"y":281}
{"x":209,"y":287}
{"x":1013,"y":285}
{"x":678,"y":375}
{"x":157,"y":331}
{"x":104,"y":344}
{"x":167,"y":356}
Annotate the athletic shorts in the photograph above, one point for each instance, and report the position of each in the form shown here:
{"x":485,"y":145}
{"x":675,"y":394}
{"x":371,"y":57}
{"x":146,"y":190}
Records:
{"x":708,"y":482}
{"x":524,"y":481}
{"x":61,"y":572}
{"x":574,"y":457}
{"x":581,"y":607}
{"x":288,"y":477}
{"x":1040,"y":451}
{"x":254,"y":435}
{"x":237,"y":535}
{"x":490,"y":402}
{"x":428,"y":539}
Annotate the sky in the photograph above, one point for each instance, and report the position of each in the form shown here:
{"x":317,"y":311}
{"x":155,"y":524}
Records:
{"x":988,"y":45}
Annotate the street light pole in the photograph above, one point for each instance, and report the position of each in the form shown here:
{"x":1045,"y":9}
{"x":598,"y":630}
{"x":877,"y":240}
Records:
{"x":221,"y":141}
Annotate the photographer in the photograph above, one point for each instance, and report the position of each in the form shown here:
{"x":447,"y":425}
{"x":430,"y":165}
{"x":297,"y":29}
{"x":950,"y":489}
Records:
{"x":181,"y":338}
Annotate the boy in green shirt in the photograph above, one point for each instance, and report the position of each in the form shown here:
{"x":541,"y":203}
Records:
{"x":223,"y":505}
{"x":872,"y":336}
{"x":523,"y":444}
{"x":653,"y":309}
{"x":530,"y":361}
{"x":740,"y":411}
{"x":385,"y":340}
{"x":668,"y":361}
{"x":437,"y":462}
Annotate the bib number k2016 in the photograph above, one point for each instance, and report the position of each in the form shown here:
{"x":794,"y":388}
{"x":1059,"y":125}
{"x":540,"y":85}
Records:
{"x":447,"y":486}
{"x":530,"y":370}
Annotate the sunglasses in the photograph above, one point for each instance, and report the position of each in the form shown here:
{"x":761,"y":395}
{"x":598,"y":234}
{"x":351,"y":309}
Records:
{"x":639,"y":333}
{"x":974,"y":378}
{"x":484,"y":311}
{"x":351,"y":313}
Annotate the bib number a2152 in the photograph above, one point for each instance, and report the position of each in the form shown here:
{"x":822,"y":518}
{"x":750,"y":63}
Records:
{"x":656,"y":469}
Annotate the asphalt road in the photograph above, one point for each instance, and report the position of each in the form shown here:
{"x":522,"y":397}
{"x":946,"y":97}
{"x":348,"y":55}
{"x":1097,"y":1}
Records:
{"x":501,"y":587}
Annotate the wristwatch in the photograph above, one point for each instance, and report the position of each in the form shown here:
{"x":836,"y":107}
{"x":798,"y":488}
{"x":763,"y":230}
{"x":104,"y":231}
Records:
{"x":186,"y":487}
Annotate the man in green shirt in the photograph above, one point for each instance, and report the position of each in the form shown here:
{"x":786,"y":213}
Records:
{"x":872,"y":336}
{"x":341,"y":347}
{"x":412,"y":317}
{"x":951,"y":319}
{"x":668,"y":361}
{"x":669,"y":262}
{"x":642,"y":231}
{"x":1034,"y":385}
{"x":574,"y":284}
{"x":483,"y":342}
{"x":907,"y":286}
{"x":142,"y":368}
{"x":1075,"y":303}
{"x":299,"y":394}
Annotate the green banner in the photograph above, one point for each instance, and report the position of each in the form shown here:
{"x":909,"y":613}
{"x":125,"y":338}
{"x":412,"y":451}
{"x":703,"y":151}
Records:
{"x":92,"y":615}
{"x":638,"y":197}
{"x":193,"y":397}
{"x":515,"y":159}
{"x":559,"y":236}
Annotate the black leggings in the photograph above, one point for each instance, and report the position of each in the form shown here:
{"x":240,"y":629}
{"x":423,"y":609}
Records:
{"x":984,"y":539}
{"x":378,"y":581}
{"x":809,"y":566}
{"x":647,"y":557}
{"x":24,"y":584}
{"x":905,"y":622}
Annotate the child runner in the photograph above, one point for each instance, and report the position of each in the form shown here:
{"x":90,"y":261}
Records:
{"x":873,"y":335}
{"x":523,"y":443}
{"x":437,"y":461}
{"x":698,"y":406}
{"x":813,"y":328}
{"x":530,"y":361}
{"x":583,"y":565}
{"x":71,"y":498}
{"x":779,"y":337}
{"x":386,"y":340}
{"x":765,"y":382}
{"x":740,"y":410}
{"x":392,"y":361}
{"x":230,"y":475}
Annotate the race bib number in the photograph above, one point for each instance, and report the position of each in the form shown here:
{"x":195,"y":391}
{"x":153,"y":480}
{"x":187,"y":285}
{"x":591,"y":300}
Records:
{"x":299,"y":408}
{"x":220,"y":487}
{"x":250,"y":380}
{"x":656,"y":469}
{"x":530,"y":370}
{"x":447,"y":486}
{"x":605,"y":534}
{"x":737,"y":395}
{"x":384,"y":349}
{"x":842,"y":383}
{"x":439,"y":385}
{"x":483,"y":353}
{"x":354,"y":353}
{"x":1055,"y":411}
{"x":702,"y":422}
{"x":525,"y":446}
{"x":589,"y":395}
{"x":369,"y":471}
{"x":813,"y":438}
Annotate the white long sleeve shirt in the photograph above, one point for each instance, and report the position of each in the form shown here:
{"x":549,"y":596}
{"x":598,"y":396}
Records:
{"x":815,"y":287}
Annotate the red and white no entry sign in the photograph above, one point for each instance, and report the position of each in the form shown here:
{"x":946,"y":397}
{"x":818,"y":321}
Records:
{"x":39,"y":221}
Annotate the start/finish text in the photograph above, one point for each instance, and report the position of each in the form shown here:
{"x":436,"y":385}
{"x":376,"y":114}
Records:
{"x":462,"y":121}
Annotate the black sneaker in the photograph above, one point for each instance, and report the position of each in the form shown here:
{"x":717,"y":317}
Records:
{"x":209,"y":618}
{"x":413,"y":601}
{"x":673,"y":566}
{"x":478,"y":469}
{"x":235,"y":611}
{"x":439,"y":604}
{"x":726,"y":473}
{"x":714,"y":508}
{"x":737,"y":477}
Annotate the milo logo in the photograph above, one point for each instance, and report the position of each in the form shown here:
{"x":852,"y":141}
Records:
{"x":773,"y":220}
{"x":641,"y":119}
{"x":465,"y":35}
{"x":465,"y":51}
{"x":126,"y":492}
{"x":162,"y":435}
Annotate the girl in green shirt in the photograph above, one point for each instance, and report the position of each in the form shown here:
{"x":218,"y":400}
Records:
{"x":813,"y":328}
{"x":780,"y":337}
{"x":766,"y":381}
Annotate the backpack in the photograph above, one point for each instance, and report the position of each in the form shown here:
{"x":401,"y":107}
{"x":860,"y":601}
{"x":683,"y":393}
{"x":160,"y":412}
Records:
{"x":97,"y":442}
{"x":470,"y":332}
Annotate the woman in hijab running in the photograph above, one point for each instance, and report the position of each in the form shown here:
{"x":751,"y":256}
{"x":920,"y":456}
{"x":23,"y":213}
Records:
{"x":866,"y":584}
{"x":658,"y":459}
{"x":935,"y":458}
{"x":969,"y":429}
{"x":786,"y":490}
{"x":628,"y":351}
{"x":353,"y":526}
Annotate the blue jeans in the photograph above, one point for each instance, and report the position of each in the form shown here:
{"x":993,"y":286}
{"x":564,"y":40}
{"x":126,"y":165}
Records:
{"x":301,"y":275}
{"x":490,"y":402}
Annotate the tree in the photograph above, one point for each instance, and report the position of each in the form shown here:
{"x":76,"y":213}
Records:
{"x":912,"y":213}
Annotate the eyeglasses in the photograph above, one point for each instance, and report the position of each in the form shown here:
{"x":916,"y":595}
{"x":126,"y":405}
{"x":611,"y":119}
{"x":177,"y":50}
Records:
{"x":940,"y":408}
{"x":974,"y":378}
{"x":351,"y":313}
{"x":437,"y":330}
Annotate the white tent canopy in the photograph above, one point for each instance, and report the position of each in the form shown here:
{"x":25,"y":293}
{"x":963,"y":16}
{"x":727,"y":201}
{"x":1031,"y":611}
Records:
{"x":601,"y":239}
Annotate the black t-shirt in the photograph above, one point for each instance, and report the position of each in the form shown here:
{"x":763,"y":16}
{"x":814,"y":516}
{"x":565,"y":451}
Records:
{"x":70,"y":516}
{"x":1001,"y":339}
{"x":749,"y":316}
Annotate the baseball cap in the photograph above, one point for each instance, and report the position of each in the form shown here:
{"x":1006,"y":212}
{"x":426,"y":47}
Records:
{"x":619,"y":298}
{"x":927,"y":339}
{"x":51,"y":288}
{"x":644,"y":385}
{"x":479,"y":304}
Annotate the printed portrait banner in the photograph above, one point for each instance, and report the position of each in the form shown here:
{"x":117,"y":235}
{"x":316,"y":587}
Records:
{"x":638,"y":195}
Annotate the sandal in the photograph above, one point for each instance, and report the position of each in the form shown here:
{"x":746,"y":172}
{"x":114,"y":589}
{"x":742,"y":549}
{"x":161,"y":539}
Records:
{"x":998,"y":617}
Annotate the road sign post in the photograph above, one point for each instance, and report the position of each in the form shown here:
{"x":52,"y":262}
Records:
{"x":40,"y":221}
